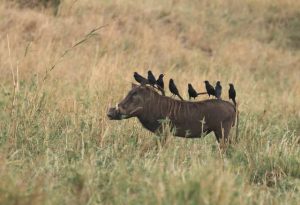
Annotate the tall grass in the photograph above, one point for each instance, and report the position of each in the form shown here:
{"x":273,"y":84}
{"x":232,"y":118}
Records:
{"x":58,"y":147}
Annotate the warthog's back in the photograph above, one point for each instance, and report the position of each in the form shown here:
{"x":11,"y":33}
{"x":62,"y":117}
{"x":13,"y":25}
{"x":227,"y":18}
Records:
{"x":194,"y":118}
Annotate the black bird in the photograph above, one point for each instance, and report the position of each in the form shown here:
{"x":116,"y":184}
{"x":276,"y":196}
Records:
{"x":232,"y":93}
{"x":151,"y":78}
{"x":140,"y":79}
{"x":173,"y":88}
{"x":218,"y":90}
{"x":160,"y":84}
{"x":209,"y":89}
{"x":192,"y":92}
{"x":160,"y":81}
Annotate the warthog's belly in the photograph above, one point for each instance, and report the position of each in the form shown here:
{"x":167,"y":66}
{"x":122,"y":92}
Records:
{"x":192,"y":130}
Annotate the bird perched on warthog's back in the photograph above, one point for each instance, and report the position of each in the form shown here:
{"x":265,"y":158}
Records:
{"x":160,"y":81}
{"x":192,"y":92}
{"x":160,"y":84}
{"x":232,"y":93}
{"x":140,"y":79}
{"x":173,"y":88}
{"x":151,"y":78}
{"x":218,"y":90}
{"x":209,"y":89}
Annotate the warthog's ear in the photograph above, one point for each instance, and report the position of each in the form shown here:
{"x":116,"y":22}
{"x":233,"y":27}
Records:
{"x":133,"y":85}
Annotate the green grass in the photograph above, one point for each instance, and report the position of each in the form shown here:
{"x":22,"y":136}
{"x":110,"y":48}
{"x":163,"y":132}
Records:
{"x":66,"y":158}
{"x":58,"y":147}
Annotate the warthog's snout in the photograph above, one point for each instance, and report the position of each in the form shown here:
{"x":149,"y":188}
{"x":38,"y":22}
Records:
{"x":113,"y":114}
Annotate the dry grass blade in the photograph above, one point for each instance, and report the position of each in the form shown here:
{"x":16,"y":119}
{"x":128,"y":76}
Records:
{"x":84,"y":39}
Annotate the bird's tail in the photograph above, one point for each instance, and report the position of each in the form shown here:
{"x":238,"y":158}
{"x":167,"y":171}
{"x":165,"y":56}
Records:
{"x":234,"y":102}
{"x":203,"y":93}
{"x":161,"y":90}
{"x":180,"y":97}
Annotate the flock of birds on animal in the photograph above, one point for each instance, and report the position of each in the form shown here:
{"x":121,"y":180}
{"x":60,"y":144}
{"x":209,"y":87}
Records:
{"x":159,"y":84}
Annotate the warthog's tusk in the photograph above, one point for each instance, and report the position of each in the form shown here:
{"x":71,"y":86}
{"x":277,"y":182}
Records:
{"x":117,"y":107}
{"x":135,"y":110}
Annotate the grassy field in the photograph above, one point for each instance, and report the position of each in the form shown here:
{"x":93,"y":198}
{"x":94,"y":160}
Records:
{"x":59,"y":76}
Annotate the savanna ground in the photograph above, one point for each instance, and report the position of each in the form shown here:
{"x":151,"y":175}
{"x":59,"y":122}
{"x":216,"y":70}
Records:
{"x":57,"y":145}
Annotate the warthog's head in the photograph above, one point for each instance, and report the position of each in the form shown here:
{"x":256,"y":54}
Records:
{"x":132,"y":105}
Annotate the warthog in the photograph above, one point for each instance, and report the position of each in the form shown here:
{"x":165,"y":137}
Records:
{"x":187,"y":119}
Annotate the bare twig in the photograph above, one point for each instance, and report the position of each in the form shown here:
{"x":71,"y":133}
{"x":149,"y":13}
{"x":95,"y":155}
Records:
{"x":84,"y":39}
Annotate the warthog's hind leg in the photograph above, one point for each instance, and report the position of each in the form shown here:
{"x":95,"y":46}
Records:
{"x":223,"y":131}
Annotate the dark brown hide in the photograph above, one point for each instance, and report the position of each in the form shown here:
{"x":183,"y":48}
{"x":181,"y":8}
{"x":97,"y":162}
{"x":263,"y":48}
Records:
{"x":190,"y":119}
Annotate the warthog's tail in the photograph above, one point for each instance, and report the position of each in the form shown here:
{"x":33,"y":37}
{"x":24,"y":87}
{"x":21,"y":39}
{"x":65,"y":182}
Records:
{"x":237,"y":114}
